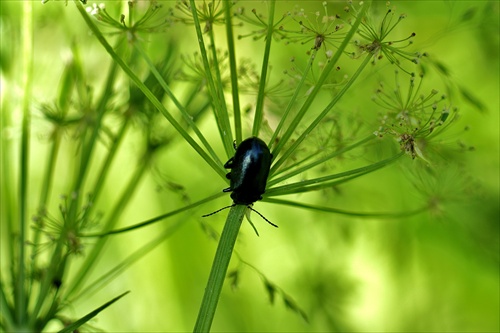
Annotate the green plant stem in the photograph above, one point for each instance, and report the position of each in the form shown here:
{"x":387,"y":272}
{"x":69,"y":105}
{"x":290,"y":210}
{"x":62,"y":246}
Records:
{"x":20,"y":282}
{"x":44,"y":196}
{"x":219,"y":104}
{"x":91,"y":259}
{"x":106,"y":167}
{"x":9,"y":198}
{"x":293,"y":100}
{"x":312,"y":96}
{"x":222,"y":113}
{"x":147,"y":92}
{"x":156,"y":219}
{"x":320,"y":117}
{"x":319,"y":161}
{"x":232,"y":69}
{"x":112,"y":273}
{"x":185,"y":115}
{"x":259,"y":108}
{"x":330,"y":180}
{"x":50,"y":272}
{"x":346,"y":212}
{"x":5,"y":311}
{"x":219,"y":268}
{"x":57,"y":261}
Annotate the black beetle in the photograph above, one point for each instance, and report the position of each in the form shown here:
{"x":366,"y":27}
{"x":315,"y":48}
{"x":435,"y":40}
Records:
{"x":249,"y":171}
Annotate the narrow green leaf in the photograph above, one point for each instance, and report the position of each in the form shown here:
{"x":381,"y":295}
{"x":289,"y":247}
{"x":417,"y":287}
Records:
{"x":90,"y":315}
{"x":346,"y":212}
{"x":155,"y":219}
{"x":470,"y":98}
{"x":271,"y":291}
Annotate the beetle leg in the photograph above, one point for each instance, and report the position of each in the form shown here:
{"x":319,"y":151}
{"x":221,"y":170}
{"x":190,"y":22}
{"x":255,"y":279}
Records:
{"x":229,"y":164}
{"x":228,"y":175}
{"x":227,"y":189}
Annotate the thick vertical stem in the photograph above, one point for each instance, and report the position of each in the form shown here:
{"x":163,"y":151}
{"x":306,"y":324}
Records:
{"x":219,"y":268}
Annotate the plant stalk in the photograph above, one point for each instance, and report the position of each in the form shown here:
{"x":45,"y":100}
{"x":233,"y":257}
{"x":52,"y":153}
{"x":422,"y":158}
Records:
{"x":219,"y":268}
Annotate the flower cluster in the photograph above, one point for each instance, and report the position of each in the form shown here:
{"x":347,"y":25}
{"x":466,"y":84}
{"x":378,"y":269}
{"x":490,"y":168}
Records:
{"x":150,"y":21}
{"x":413,"y":119}
{"x":375,"y":40}
{"x":260,"y":24}
{"x":66,"y":228}
{"x":209,"y":12}
{"x":322,"y":30}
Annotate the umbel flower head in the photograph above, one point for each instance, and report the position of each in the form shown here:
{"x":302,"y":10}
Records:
{"x":323,"y":30}
{"x":260,"y":24}
{"x":210,"y":12}
{"x":375,"y":40}
{"x":147,"y":21}
{"x":415,"y":118}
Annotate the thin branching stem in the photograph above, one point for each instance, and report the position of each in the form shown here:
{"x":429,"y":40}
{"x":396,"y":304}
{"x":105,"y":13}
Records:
{"x":325,"y":209}
{"x":222,"y":112}
{"x":185,"y":115}
{"x":233,"y":71}
{"x":320,"y":160}
{"x":259,"y":108}
{"x":112,"y":273}
{"x":320,"y":117}
{"x":106,"y":167}
{"x":315,"y":184}
{"x":293,"y":100}
{"x":286,"y":136}
{"x":155,"y":219}
{"x":145,"y":90}
{"x":46,"y":187}
{"x":119,"y":208}
{"x":220,"y":108}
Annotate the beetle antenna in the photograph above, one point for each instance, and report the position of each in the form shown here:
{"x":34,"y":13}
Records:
{"x":263,"y":217}
{"x":218,"y":210}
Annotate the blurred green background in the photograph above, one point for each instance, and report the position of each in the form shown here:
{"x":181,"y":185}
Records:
{"x":432,"y":272}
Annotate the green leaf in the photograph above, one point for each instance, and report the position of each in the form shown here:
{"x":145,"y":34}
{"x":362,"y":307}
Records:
{"x":271,"y":291}
{"x":470,"y":98}
{"x":86,"y":318}
{"x":234,"y":277}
